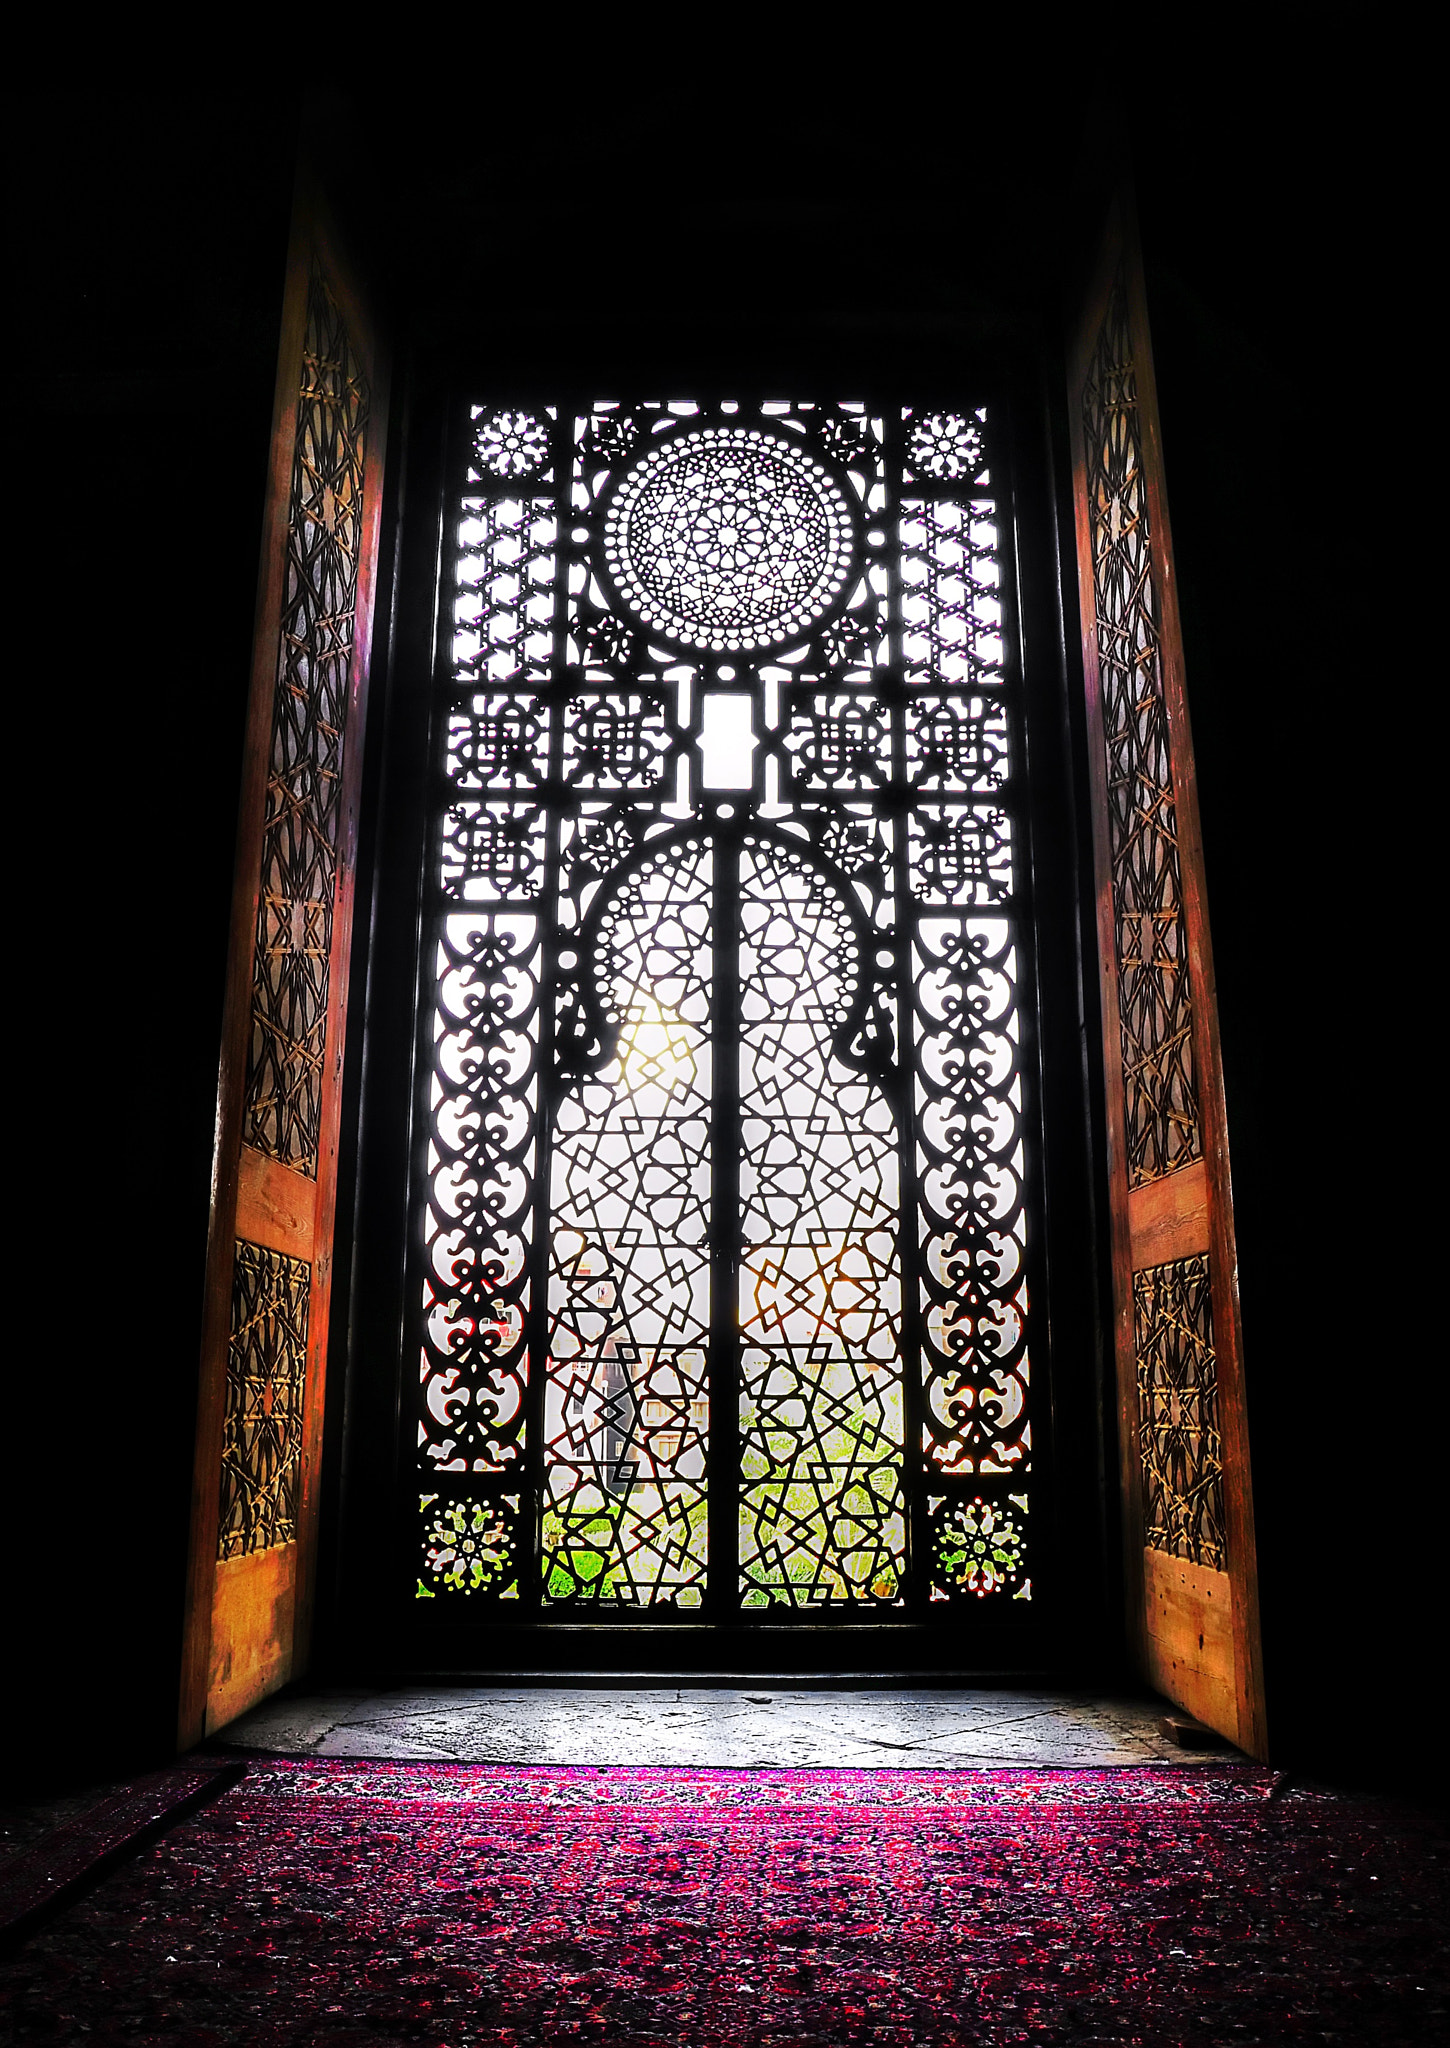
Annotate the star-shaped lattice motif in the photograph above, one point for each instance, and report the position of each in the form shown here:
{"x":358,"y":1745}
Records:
{"x":945,"y":445}
{"x":509,"y":444}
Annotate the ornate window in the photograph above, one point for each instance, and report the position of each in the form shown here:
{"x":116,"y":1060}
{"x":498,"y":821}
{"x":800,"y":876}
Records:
{"x":724,"y":1222}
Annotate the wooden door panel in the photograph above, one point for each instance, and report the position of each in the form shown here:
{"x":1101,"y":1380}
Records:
{"x":1189,"y":1639}
{"x":253,"y":1627}
{"x":1168,"y":1218}
{"x":269,"y":1256}
{"x":254,"y":1598}
{"x":1184,"y":1454}
{"x":275,"y":1205}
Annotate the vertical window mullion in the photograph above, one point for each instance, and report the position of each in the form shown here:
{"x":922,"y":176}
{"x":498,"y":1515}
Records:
{"x":723,"y":1466}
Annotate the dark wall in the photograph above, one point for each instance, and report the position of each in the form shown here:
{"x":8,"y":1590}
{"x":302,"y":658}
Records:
{"x":152,"y":268}
{"x":1303,"y":696}
{"x":151,"y":258}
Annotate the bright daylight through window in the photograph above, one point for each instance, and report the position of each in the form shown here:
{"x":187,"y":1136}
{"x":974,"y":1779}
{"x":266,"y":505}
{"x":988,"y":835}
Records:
{"x":722,"y":1213}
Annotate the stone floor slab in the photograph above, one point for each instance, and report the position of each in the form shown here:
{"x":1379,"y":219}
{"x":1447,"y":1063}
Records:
{"x":759,"y":1727}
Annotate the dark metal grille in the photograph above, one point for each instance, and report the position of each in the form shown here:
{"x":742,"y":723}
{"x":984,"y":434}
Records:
{"x":723,"y":1204}
{"x":283,"y":1104}
{"x":266,"y":1379}
{"x":1178,"y":1429}
{"x":1154,"y":1003}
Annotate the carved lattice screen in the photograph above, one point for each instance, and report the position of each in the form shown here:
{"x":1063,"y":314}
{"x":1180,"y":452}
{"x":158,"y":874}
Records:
{"x":725,"y":1223}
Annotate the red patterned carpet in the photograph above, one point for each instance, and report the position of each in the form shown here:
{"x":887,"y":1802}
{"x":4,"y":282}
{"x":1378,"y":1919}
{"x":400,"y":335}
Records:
{"x":476,"y":1906}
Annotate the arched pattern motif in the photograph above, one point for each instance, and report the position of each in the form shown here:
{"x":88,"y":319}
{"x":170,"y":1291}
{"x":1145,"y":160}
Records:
{"x":817,"y":1359}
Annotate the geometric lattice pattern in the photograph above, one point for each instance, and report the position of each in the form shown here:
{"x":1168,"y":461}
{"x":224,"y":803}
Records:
{"x":283,"y":1101}
{"x":958,"y":742}
{"x":627,"y":1404}
{"x":822,"y":1514}
{"x":1178,"y":1426}
{"x":499,"y":742}
{"x":725,"y":1243}
{"x":1154,"y":1002}
{"x":261,"y":1470}
{"x":617,"y":741}
{"x":503,"y":606}
{"x":952,"y":607}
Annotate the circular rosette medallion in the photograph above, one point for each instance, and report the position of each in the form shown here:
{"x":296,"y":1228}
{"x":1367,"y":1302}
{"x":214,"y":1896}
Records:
{"x":728,"y":538}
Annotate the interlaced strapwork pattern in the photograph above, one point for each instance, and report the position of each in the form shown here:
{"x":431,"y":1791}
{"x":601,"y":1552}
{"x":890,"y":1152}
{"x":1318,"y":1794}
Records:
{"x":626,"y":1404}
{"x":839,"y":742}
{"x":493,"y":852}
{"x":822,"y":1514}
{"x":961,"y":853}
{"x":617,"y":740}
{"x":958,"y":743}
{"x":266,"y":1380}
{"x":1154,"y":1002}
{"x":1178,"y":1427}
{"x":282,"y":1113}
{"x":498,"y":742}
